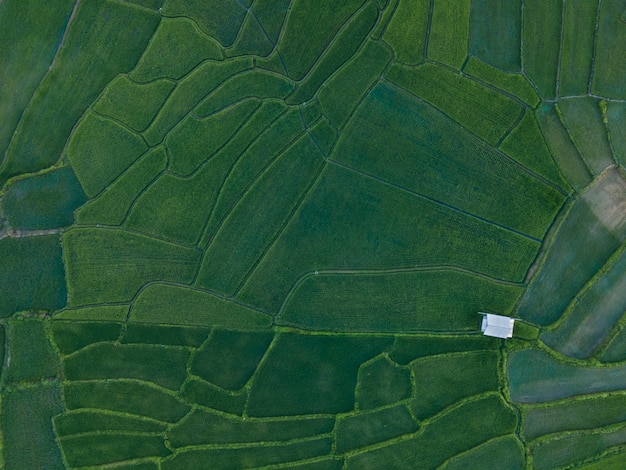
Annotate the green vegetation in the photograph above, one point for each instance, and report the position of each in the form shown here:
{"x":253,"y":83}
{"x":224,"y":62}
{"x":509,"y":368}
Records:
{"x":103,"y":313}
{"x":203,"y":393}
{"x":70,"y":336}
{"x":380,"y":383}
{"x":449,"y":32}
{"x":83,"y":421}
{"x":410,"y":347}
{"x":491,"y":454}
{"x":609,"y":63}
{"x":31,"y":354}
{"x":615,"y":116}
{"x":407,"y":31}
{"x":165,"y":335}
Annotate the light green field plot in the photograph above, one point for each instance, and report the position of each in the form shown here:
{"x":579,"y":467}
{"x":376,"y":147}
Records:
{"x":454,"y":432}
{"x":449,"y":32}
{"x":114,"y":264}
{"x":31,"y":355}
{"x":610,"y":61}
{"x":176,"y":48}
{"x":310,"y":374}
{"x":70,"y":336}
{"x":165,"y":335}
{"x":594,"y":313}
{"x":507,"y":449}
{"x":26,"y":419}
{"x":229,"y":358}
{"x":526,"y":145}
{"x":315,"y":25}
{"x":252,"y":455}
{"x":541,"y":41}
{"x":596,"y":226}
{"x":44,"y":201}
{"x":583,"y":119}
{"x":395,"y":301}
{"x":611,"y":461}
{"x":207,"y":427}
{"x":82,"y":421}
{"x":443,"y":380}
{"x":577,"y":51}
{"x":51,"y":115}
{"x":200,"y":392}
{"x":29,"y":42}
{"x":588,"y":412}
{"x":101,"y":150}
{"x":162,"y":365}
{"x":407,"y":31}
{"x":179,"y":305}
{"x":408,"y":143}
{"x":343,"y":47}
{"x":380,"y":383}
{"x":31,"y":274}
{"x":363,"y":429}
{"x":114,"y":313}
{"x":513,"y":83}
{"x":407,"y":348}
{"x":570,"y":449}
{"x":194,"y":140}
{"x":112,"y":205}
{"x":341,"y":93}
{"x":495,"y":33}
{"x":562,"y":148}
{"x":132,"y":103}
{"x":480,"y":109}
{"x":616,"y":121}
{"x":550,"y":379}
{"x":124,"y":396}
{"x":251,"y":39}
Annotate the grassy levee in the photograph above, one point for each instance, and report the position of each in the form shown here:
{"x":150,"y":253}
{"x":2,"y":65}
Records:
{"x":408,"y":143}
{"x":280,"y":187}
{"x":209,"y":427}
{"x":189,"y":91}
{"x":594,"y":312}
{"x":377,"y":226}
{"x":251,"y":40}
{"x":363,"y":429}
{"x":609,"y":62}
{"x":271,"y":15}
{"x":103,"y":448}
{"x":595,"y":226}
{"x":176,"y":48}
{"x":527,"y":146}
{"x":65,"y":93}
{"x":495,"y":33}
{"x":194,"y":140}
{"x":449,"y":32}
{"x":112,"y":205}
{"x":478,"y":108}
{"x":28,"y":439}
{"x":219,"y":20}
{"x":156,"y":363}
{"x":570,"y":449}
{"x":449,"y":434}
{"x":441,"y":381}
{"x":407,"y":31}
{"x":615,"y":115}
{"x":253,"y":455}
{"x":608,"y":461}
{"x":112,"y":265}
{"x":31,"y":356}
{"x":583,"y":118}
{"x":31,"y":274}
{"x":342,"y":92}
{"x":44,"y":201}
{"x":132,"y":103}
{"x":137,"y":333}
{"x":423,"y":300}
{"x":513,"y":83}
{"x":180,"y":305}
{"x":82,"y":421}
{"x":507,"y":450}
{"x":579,"y":26}
{"x":563,"y":150}
{"x":229,"y":358}
{"x":70,"y":336}
{"x":536,"y":377}
{"x":344,"y":45}
{"x":100,"y":150}
{"x":202,"y":393}
{"x":411,"y":347}
{"x":304,"y":374}
{"x":308,"y":31}
{"x":30,"y":39}
{"x":115,"y":313}
{"x":125,"y":396}
{"x":381,"y":383}
{"x":588,"y":412}
{"x":541,"y":40}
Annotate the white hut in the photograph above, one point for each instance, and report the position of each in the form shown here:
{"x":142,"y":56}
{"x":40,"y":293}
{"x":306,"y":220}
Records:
{"x":497,"y":325}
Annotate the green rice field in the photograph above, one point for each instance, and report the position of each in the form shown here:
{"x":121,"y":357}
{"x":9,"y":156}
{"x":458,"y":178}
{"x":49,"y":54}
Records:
{"x":242,"y":234}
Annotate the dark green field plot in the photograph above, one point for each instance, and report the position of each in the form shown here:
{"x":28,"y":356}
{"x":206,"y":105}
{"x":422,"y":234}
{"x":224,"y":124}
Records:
{"x":491,"y":454}
{"x":165,"y":335}
{"x":100,"y":313}
{"x":610,"y":61}
{"x":410,"y":347}
{"x":82,"y":421}
{"x":381,"y":382}
{"x":615,"y":114}
{"x":203,"y":393}
{"x":70,"y":336}
{"x":32,"y":357}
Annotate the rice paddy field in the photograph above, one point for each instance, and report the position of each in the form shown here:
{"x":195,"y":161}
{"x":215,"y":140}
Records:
{"x":258,"y":234}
